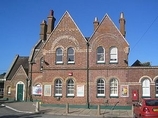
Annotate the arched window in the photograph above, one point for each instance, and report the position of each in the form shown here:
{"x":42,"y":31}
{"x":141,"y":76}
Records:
{"x":156,"y":87}
{"x":41,"y":63}
{"x":59,"y":56}
{"x":8,"y":90}
{"x":100,"y":55}
{"x":146,"y":88}
{"x":70,"y":87}
{"x":113,"y":87}
{"x":113,"y":55}
{"x":58,"y":87}
{"x":100,"y":87}
{"x":70,"y":55}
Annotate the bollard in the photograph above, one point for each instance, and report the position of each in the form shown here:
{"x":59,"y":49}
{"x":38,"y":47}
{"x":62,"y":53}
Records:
{"x":37,"y":107}
{"x":67,"y":108}
{"x":98,"y":110}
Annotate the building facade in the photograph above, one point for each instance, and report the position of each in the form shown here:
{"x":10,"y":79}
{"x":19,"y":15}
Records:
{"x":66,"y":67}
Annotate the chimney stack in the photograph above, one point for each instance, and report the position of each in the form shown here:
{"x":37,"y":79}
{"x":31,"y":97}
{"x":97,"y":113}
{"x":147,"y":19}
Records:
{"x":43,"y":30}
{"x":51,"y":21}
{"x":95,"y":23}
{"x":122,"y":24}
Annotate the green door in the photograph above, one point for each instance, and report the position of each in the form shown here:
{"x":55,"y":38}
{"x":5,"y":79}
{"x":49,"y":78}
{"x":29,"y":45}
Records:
{"x":20,"y":92}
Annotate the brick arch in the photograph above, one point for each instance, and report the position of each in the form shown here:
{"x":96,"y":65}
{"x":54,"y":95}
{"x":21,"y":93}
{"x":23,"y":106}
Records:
{"x":62,"y":80}
{"x":62,"y":38}
{"x":144,"y":77}
{"x":98,"y":77}
{"x":111,"y":77}
{"x":106,"y":35}
{"x":155,"y":78}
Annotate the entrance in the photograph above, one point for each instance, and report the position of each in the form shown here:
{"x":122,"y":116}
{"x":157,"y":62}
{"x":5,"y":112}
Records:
{"x":20,"y":92}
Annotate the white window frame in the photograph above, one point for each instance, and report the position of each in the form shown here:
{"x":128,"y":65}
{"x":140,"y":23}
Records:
{"x":146,"y":87}
{"x":58,"y":54}
{"x":70,"y":87}
{"x":58,"y":87}
{"x":69,"y":54}
{"x":113,"y":55}
{"x":100,"y":55}
{"x":113,"y":87}
{"x":100,"y":87}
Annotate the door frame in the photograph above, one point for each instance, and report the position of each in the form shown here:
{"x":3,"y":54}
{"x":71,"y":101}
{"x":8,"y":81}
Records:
{"x":20,"y":82}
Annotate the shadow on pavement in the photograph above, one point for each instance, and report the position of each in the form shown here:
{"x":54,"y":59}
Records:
{"x":22,"y":116}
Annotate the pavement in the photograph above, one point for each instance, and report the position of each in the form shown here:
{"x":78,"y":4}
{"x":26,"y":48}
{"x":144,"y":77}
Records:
{"x":34,"y":107}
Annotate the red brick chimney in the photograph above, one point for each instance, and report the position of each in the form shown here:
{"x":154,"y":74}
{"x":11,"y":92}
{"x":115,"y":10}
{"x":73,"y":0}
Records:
{"x":95,"y":23}
{"x":43,"y":30}
{"x":51,"y":22}
{"x":122,"y":24}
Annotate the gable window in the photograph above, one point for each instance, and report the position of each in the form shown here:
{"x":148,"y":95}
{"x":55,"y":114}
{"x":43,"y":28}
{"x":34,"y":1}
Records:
{"x":59,"y":56}
{"x":58,"y":87}
{"x":70,"y":55}
{"x":113,"y":87}
{"x":100,"y":87}
{"x":100,"y":55}
{"x":156,"y":87}
{"x":113,"y":55}
{"x":70,"y":87}
{"x":146,"y":88}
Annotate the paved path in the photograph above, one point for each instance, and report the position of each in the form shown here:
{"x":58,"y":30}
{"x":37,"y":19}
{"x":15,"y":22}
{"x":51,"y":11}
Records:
{"x":30,"y":107}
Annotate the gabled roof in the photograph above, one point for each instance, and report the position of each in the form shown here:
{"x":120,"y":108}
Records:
{"x":18,"y":60}
{"x":138,"y":63}
{"x":35,"y":50}
{"x":105,"y":22}
{"x":65,"y":18}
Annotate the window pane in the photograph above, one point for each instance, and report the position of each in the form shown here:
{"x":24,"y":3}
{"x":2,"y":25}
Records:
{"x":70,"y":87}
{"x":114,"y":87}
{"x":100,"y":54}
{"x":156,"y":87}
{"x":58,"y":87}
{"x":59,"y":55}
{"x":146,"y":87}
{"x":70,"y":55}
{"x":100,"y":87}
{"x":113,"y":55}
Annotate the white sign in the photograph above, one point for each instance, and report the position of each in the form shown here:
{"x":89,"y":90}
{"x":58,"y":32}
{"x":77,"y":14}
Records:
{"x":80,"y":90}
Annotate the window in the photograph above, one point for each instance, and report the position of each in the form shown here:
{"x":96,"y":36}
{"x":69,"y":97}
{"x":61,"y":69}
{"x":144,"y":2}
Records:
{"x":156,"y":87}
{"x":146,"y":88}
{"x":58,"y":88}
{"x":100,"y":55}
{"x":113,"y":55}
{"x":9,"y":90}
{"x":70,"y":56}
{"x":59,"y":56}
{"x":41,"y":64}
{"x":100,"y":87}
{"x":70,"y":87}
{"x":113,"y":87}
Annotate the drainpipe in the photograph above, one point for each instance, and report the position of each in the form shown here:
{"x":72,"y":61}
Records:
{"x":88,"y":75}
{"x":30,"y":87}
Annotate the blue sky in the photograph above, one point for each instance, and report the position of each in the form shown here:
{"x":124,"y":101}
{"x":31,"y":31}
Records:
{"x":20,"y":24}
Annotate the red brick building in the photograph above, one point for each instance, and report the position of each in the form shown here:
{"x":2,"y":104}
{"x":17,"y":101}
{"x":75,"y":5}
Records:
{"x":66,"y":67}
